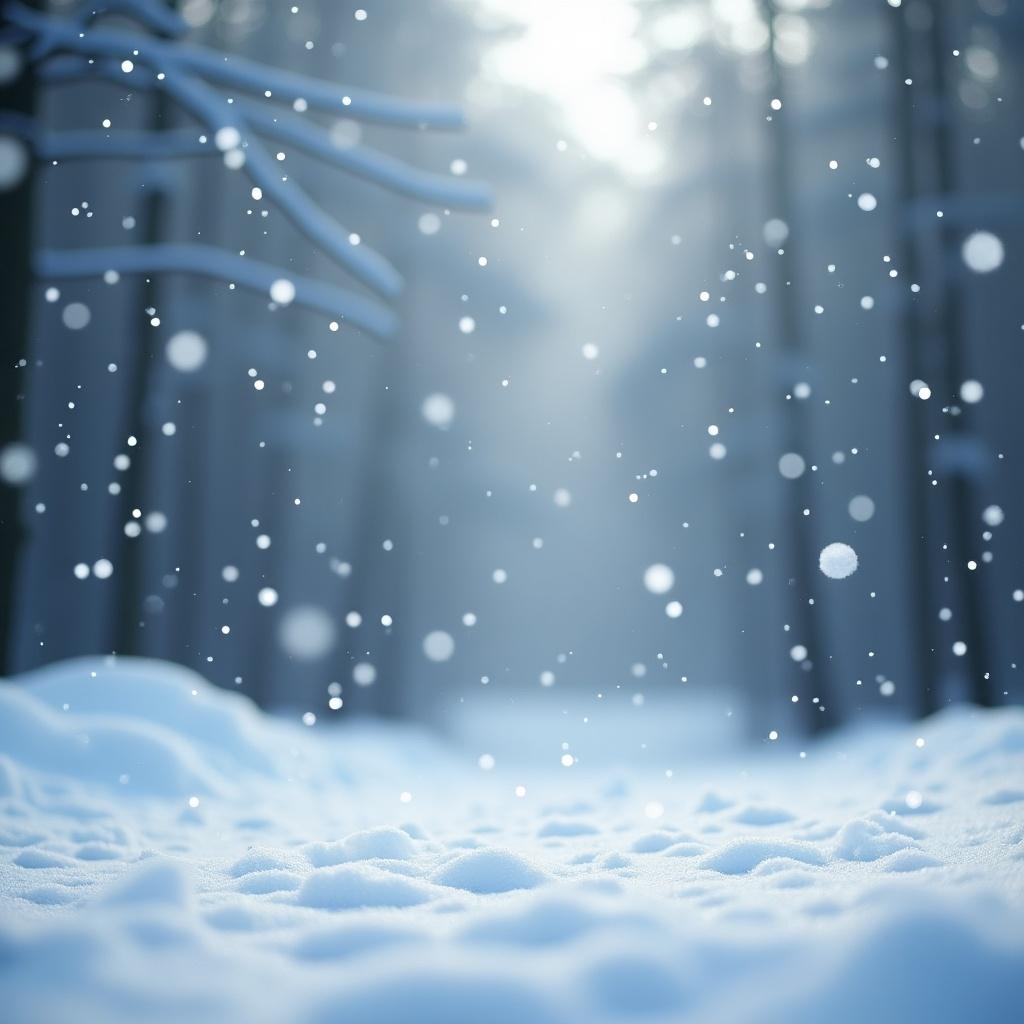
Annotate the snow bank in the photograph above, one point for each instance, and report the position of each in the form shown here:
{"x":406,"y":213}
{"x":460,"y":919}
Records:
{"x":149,"y":727}
{"x":489,"y":871}
{"x":169,"y":853}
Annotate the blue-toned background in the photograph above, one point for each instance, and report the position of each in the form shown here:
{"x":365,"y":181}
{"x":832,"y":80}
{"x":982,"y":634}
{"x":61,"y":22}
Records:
{"x":722,"y":232}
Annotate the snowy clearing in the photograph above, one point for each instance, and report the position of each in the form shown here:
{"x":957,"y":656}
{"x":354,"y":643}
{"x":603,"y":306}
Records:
{"x":170,"y":853}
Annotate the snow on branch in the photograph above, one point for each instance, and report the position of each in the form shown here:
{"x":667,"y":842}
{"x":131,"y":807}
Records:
{"x":70,"y":48}
{"x":67,"y":36}
{"x":155,"y":15}
{"x":231,"y":134}
{"x":93,"y":144}
{"x":209,"y":261}
{"x":368,"y":163}
{"x":361,"y":161}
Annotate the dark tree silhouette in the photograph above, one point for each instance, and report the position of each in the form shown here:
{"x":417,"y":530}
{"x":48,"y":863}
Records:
{"x":266,"y":104}
{"x":961,"y":459}
{"x":943,"y":522}
{"x":75,"y":48}
{"x":926,"y":685}
{"x":17,"y":96}
{"x":806,"y":625}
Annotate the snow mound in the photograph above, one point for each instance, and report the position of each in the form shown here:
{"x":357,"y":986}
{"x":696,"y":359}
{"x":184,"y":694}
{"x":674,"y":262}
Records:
{"x":169,"y":696}
{"x":259,"y":859}
{"x":653,"y":842}
{"x":375,"y":843}
{"x":146,"y":727}
{"x":100,"y":750}
{"x":489,"y":871}
{"x":867,"y":840}
{"x":169,"y":853}
{"x":36,"y":858}
{"x":262,"y":882}
{"x":741,"y":856}
{"x":349,"y":887}
{"x":685,"y":850}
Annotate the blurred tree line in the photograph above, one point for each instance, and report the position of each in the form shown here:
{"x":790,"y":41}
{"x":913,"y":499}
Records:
{"x":307,"y":463}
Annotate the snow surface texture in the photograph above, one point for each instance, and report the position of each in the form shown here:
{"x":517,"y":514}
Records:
{"x":168,"y":853}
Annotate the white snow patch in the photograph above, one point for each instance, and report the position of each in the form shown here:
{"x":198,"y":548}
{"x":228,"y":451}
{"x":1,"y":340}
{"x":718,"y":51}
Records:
{"x":167,"y":852}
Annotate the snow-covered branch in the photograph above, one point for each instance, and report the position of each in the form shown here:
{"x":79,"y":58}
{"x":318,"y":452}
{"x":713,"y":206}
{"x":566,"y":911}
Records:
{"x":361,"y":161}
{"x":74,"y":47}
{"x":368,"y":163}
{"x":155,"y":15}
{"x":93,"y":144}
{"x":209,"y":261}
{"x":65,"y":36}
{"x":230,"y":130}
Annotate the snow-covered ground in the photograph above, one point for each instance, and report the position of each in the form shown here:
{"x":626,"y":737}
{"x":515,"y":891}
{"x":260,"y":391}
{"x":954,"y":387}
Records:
{"x":167,"y":852}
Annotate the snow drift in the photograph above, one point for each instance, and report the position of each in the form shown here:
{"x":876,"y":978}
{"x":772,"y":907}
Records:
{"x":168,"y":852}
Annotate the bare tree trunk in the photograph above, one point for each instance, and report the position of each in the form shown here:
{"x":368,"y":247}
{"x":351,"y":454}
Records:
{"x":129,"y":622}
{"x":806,"y":623}
{"x":17,"y":96}
{"x":948,"y":326}
{"x":926,"y":688}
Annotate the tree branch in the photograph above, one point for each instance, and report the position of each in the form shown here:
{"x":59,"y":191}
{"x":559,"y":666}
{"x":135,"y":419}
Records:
{"x":362,"y":161}
{"x":92,"y":144}
{"x":249,"y":76}
{"x":152,"y":14}
{"x":73,"y":47}
{"x":368,"y":163}
{"x":209,"y":261}
{"x":363,"y":262}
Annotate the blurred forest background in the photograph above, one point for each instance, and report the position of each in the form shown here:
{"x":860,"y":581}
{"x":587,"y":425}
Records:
{"x":747,"y":288}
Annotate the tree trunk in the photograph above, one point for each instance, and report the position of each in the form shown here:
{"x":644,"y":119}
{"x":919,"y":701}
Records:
{"x":17,"y":96}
